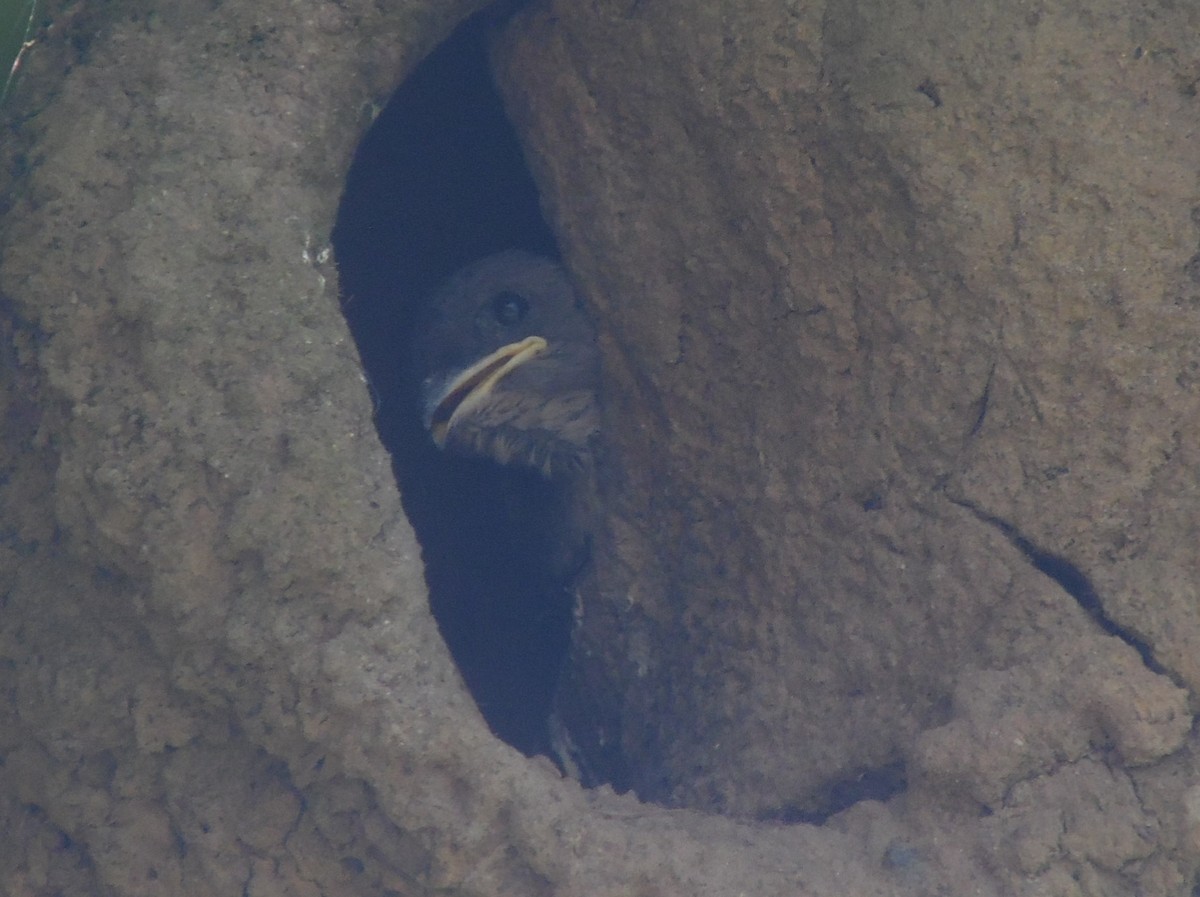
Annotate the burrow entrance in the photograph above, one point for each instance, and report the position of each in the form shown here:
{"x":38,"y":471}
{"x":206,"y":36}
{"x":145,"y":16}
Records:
{"x":438,"y":182}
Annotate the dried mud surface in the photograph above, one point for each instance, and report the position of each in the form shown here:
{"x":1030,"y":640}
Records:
{"x":897,"y":307}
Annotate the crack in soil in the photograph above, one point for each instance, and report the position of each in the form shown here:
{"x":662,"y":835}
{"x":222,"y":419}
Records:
{"x":1072,"y":580}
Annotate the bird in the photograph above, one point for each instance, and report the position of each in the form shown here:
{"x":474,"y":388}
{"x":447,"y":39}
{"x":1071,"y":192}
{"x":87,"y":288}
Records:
{"x":510,"y":366}
{"x":506,"y":369}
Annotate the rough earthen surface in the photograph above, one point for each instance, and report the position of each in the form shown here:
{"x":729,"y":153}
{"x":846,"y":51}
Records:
{"x":896,"y":300}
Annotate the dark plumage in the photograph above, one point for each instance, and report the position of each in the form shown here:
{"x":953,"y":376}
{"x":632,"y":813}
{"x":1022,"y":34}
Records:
{"x":509,"y":366}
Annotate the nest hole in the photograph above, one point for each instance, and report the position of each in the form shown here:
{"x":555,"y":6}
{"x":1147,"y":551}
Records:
{"x":439,"y":181}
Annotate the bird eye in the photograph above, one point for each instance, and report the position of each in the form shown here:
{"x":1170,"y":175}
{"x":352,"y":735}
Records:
{"x":509,"y":308}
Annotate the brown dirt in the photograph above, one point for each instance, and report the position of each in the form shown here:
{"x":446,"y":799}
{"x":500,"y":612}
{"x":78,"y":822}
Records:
{"x":894,"y":300}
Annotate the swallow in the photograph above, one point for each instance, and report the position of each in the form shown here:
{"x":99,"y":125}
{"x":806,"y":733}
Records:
{"x":510,"y":367}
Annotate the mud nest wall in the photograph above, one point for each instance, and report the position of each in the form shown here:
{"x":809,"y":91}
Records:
{"x":899,"y":308}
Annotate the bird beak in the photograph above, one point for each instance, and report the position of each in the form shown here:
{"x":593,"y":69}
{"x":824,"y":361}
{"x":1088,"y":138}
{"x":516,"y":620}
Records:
{"x":465,"y":391}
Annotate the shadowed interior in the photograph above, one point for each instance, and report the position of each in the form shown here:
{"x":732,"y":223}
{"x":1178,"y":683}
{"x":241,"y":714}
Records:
{"x":438,"y":182}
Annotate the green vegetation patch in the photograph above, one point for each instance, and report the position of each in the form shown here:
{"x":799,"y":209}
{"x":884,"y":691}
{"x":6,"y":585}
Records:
{"x":18,"y":21}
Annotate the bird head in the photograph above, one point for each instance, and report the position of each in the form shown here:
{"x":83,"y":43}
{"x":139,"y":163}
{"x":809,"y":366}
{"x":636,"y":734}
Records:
{"x":509,"y":364}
